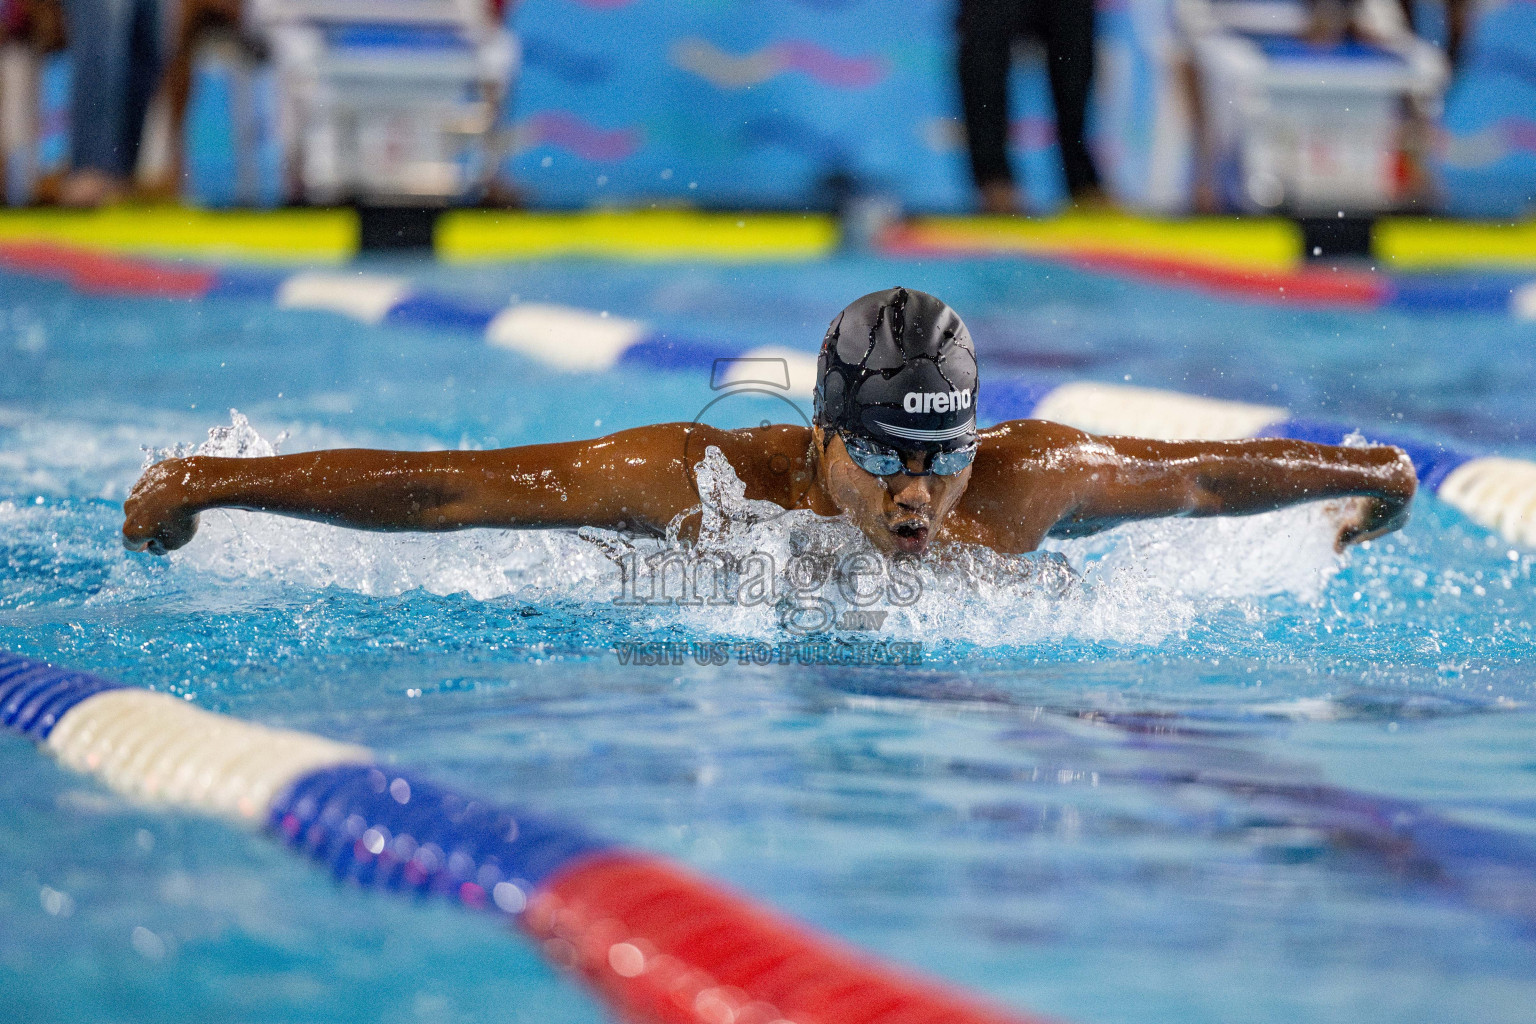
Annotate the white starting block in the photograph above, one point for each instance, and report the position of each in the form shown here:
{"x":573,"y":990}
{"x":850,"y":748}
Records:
{"x":1309,"y":129}
{"x":388,"y":101}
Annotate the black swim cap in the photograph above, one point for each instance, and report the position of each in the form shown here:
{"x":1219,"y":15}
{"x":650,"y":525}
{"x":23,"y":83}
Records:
{"x":898,"y":367}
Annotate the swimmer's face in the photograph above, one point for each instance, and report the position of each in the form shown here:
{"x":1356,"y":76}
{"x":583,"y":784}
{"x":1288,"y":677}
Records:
{"x":898,"y":513}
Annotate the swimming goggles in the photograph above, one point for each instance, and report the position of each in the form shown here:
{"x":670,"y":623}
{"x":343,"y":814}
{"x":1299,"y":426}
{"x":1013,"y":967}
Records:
{"x":882,"y":461}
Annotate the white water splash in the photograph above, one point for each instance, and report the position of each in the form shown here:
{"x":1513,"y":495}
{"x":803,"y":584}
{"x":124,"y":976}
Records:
{"x":1285,"y":552}
{"x":1134,"y":585}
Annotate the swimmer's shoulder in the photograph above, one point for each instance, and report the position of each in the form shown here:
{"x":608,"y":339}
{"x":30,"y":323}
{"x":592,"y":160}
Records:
{"x":773,"y":461}
{"x":1032,"y":446}
{"x":747,"y":447}
{"x":749,"y":450}
{"x":1040,"y":459}
{"x":744,"y":448}
{"x":1024,"y":480}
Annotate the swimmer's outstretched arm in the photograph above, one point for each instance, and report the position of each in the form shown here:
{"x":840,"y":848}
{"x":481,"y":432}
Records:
{"x":635,"y":478}
{"x":1118,"y":479}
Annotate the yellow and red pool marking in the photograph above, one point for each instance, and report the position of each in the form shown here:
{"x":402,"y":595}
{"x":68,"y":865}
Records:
{"x":1493,"y":266}
{"x":1248,"y":259}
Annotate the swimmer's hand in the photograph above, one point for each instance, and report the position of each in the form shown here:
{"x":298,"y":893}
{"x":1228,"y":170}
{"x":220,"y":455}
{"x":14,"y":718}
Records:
{"x":1363,"y":519}
{"x":1366,"y":517}
{"x":155,"y":516}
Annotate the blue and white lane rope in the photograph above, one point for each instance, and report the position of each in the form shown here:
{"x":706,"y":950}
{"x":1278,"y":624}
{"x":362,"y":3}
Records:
{"x":658,"y":943}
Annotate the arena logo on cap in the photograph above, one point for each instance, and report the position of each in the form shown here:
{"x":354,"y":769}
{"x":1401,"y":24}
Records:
{"x":937,"y":401}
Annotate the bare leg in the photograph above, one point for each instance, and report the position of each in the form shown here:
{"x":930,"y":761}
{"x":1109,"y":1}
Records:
{"x":1203,"y":197}
{"x":198,"y":17}
{"x":1458,"y":18}
{"x":1067,"y":29}
{"x":986,"y":29}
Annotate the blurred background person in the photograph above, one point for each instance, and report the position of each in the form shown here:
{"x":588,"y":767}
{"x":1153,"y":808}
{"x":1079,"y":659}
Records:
{"x":115,"y":49}
{"x":198,"y":22}
{"x":29,"y":31}
{"x":988,"y":30}
{"x":1458,"y":21}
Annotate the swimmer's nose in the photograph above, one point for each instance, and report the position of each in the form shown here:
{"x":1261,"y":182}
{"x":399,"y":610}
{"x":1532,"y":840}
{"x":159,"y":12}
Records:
{"x":912,"y":492}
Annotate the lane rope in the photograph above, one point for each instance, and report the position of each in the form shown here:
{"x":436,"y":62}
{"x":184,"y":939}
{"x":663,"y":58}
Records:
{"x":656,"y":941}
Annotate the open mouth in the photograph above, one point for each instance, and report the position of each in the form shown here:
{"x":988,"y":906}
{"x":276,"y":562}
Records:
{"x":911,"y":535}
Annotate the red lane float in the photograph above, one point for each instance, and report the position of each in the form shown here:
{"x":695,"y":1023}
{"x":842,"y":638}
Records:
{"x":662,"y":945}
{"x":103,"y":273}
{"x":1345,"y":288}
{"x":1329,"y":288}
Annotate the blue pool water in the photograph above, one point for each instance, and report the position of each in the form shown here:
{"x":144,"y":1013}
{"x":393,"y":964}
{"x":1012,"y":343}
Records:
{"x":1212,"y":773}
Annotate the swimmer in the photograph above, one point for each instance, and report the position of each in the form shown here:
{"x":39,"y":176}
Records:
{"x":893,"y":447}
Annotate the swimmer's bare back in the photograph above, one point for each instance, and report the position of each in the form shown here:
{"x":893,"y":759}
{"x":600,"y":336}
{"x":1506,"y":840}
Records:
{"x":1031,"y":479}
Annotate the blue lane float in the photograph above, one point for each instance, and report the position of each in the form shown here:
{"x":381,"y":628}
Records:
{"x":1462,"y":293}
{"x":400,"y":832}
{"x":34,"y":696}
